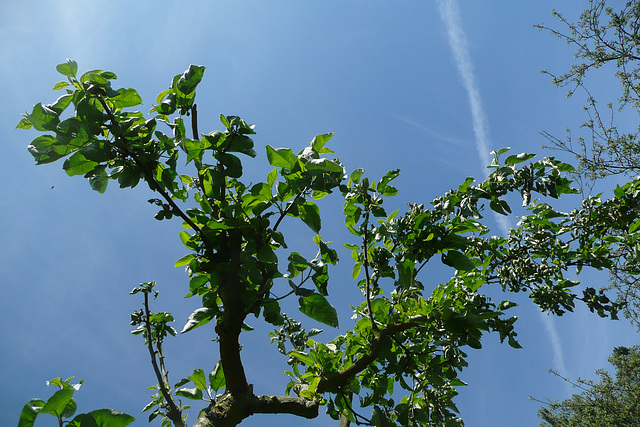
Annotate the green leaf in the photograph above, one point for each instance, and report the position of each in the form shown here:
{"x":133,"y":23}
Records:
{"x":24,"y":124}
{"x":60,"y":85}
{"x":83,"y":420}
{"x":319,"y":141}
{"x":30,"y":412}
{"x":383,"y":186}
{"x":189,"y":80}
{"x":518,"y":158}
{"x":458,"y":260}
{"x":127,"y":98}
{"x":272,"y":176}
{"x":99,"y":180}
{"x":110,"y":418}
{"x":61,"y":103}
{"x":190,"y":393}
{"x":58,"y":402}
{"x":184,"y":260}
{"x":216,"y":378}
{"x":633,"y":227}
{"x":198,"y":318}
{"x":301,"y":356}
{"x":70,"y":409}
{"x":318,"y":308}
{"x":198,"y":379}
{"x":43,"y":118}
{"x":69,"y":69}
{"x":310,"y":215}
{"x":78,"y":164}
{"x":281,"y":157}
{"x":242,"y":144}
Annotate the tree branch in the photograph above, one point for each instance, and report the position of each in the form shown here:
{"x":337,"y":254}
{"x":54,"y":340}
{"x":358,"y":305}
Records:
{"x":336,"y":379}
{"x":299,"y":406}
{"x":173,"y":413}
{"x":149,"y":176}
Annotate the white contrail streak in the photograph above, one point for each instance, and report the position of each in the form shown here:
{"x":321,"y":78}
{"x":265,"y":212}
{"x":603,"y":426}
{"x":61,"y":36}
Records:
{"x":450,"y":15}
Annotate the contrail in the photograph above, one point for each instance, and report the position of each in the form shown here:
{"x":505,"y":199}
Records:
{"x":450,"y":15}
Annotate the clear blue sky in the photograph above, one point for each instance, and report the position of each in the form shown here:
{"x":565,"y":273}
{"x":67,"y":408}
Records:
{"x":409,"y":85}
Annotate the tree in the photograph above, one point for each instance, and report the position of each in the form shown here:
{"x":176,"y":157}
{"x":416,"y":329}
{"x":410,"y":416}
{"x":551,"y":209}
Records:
{"x":608,"y":402}
{"x":400,"y":362}
{"x":606,"y":38}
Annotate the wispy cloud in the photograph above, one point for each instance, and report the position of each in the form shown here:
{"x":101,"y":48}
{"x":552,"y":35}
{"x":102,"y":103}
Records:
{"x":450,"y":15}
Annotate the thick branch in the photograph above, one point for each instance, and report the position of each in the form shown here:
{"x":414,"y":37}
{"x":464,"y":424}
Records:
{"x":230,"y":327}
{"x":285,"y":405}
{"x":231,"y":410}
{"x":337,"y":379}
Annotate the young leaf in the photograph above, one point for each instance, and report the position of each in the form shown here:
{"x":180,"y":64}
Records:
{"x":190,"y":393}
{"x":69,"y":69}
{"x":319,"y":141}
{"x":198,"y":379}
{"x":184,"y":260}
{"x":60,"y":85}
{"x":216,"y":378}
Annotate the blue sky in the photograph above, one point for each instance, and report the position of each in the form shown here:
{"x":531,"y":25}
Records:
{"x":428,"y":87}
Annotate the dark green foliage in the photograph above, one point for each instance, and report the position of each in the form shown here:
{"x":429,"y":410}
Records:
{"x":612,"y":401}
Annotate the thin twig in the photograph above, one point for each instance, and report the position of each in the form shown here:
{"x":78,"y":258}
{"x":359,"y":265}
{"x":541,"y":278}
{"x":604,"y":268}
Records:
{"x":145,"y":170}
{"x":174,"y":413}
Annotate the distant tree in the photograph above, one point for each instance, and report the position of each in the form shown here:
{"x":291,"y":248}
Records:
{"x":607,"y":38}
{"x":399,"y":363}
{"x":609,"y":402}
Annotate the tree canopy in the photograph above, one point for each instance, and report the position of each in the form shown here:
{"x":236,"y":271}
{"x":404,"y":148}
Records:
{"x":399,"y":361}
{"x":606,"y":40}
{"x":610,"y":401}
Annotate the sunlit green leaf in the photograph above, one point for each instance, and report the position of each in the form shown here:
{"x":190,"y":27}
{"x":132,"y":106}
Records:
{"x":126,"y":98}
{"x":301,"y":356}
{"x":57,"y":403}
{"x":69,"y":68}
{"x":30,"y":412}
{"x":280,"y":157}
{"x":198,"y":318}
{"x":318,"y":308}
{"x":184,"y":260}
{"x":518,"y":158}
{"x":198,"y":379}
